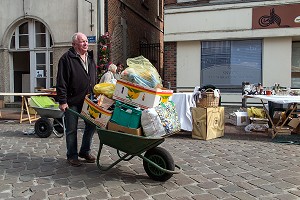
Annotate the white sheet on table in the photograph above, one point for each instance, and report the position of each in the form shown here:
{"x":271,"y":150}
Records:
{"x":183,"y":102}
{"x":277,"y":98}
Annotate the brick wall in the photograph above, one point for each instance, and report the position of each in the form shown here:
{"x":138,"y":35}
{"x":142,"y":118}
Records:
{"x":170,"y":54}
{"x":130,"y":23}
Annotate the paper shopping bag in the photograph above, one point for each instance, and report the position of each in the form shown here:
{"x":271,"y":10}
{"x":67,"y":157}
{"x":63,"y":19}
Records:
{"x":208,"y":123}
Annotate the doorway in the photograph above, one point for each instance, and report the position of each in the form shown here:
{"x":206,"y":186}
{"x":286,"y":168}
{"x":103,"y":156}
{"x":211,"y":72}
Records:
{"x":32,"y":57}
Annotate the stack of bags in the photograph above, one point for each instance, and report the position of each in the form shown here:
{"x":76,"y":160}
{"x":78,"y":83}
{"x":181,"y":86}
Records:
{"x":137,"y":104}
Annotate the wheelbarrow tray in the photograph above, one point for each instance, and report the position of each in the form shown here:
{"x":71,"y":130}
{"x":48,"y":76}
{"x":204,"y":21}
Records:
{"x":48,"y":112}
{"x":128,"y":143}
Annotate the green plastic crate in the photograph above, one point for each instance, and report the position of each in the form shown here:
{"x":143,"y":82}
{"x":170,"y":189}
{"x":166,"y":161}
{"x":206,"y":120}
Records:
{"x":126,"y":115}
{"x":44,"y":102}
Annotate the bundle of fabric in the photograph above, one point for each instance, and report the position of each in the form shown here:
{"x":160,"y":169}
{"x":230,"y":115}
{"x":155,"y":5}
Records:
{"x":142,"y":72}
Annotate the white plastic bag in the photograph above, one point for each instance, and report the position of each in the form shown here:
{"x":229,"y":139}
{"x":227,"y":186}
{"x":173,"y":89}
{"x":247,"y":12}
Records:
{"x":151,"y":123}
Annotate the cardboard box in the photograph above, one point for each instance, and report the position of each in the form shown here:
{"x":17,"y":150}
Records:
{"x":294,"y":123}
{"x":140,"y":96}
{"x":96,"y":114}
{"x":116,"y":127}
{"x":238,"y":118}
{"x":208,"y":123}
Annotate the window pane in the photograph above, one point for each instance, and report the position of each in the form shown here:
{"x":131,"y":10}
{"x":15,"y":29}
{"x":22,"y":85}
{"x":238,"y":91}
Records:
{"x":295,"y":65}
{"x":39,"y":27}
{"x":51,"y":42}
{"x":23,"y":29}
{"x":23,"y":41}
{"x":40,"y":40}
{"x":12,"y":42}
{"x":51,"y":57}
{"x":245,"y":61}
{"x":40,"y":58}
{"x":41,"y":82}
{"x":228,"y":63}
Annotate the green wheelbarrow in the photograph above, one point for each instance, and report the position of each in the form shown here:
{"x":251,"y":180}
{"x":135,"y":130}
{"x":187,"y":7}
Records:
{"x":158,"y":162}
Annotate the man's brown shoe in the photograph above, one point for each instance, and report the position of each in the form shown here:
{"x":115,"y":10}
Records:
{"x":89,"y":158}
{"x":74,"y":162}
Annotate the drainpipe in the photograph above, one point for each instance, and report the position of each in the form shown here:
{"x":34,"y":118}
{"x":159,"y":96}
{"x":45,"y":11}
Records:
{"x":99,"y":18}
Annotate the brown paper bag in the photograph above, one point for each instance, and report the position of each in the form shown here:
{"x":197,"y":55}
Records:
{"x":208,"y":123}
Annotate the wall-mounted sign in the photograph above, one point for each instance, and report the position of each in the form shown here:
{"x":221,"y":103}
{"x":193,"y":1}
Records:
{"x":280,"y":16}
{"x":91,"y":39}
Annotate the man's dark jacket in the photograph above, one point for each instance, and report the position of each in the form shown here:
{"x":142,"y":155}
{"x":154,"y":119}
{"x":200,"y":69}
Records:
{"x":73,"y":82}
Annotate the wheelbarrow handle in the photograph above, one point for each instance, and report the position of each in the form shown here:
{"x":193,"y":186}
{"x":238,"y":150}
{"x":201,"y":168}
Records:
{"x":160,"y":168}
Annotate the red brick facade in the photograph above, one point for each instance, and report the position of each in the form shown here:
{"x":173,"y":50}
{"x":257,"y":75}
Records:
{"x":170,"y":54}
{"x":130,"y":23}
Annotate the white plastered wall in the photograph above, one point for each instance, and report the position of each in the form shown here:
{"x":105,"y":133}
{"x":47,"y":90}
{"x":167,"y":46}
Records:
{"x":277,"y":54}
{"x":188,"y":64}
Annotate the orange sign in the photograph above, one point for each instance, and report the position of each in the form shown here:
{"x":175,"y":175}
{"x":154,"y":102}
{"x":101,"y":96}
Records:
{"x":280,"y":16}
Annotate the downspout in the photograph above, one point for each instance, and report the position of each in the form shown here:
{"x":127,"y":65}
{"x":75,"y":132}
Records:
{"x":99,"y":18}
{"x":106,"y":15}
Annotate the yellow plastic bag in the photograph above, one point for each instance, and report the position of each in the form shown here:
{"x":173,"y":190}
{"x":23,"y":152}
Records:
{"x":142,"y":72}
{"x":256,"y":112}
{"x":107,"y":89}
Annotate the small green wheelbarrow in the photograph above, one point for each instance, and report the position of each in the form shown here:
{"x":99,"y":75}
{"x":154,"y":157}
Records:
{"x":158,"y":162}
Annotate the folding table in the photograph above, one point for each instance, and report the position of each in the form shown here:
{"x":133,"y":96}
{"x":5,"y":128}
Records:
{"x":294,"y":100}
{"x":25,"y":106}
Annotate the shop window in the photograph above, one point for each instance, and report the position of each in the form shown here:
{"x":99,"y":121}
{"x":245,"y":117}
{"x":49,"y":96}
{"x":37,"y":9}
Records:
{"x":226,"y":64}
{"x":295,"y":65}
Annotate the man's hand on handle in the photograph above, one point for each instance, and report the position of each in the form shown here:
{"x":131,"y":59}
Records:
{"x":63,"y":107}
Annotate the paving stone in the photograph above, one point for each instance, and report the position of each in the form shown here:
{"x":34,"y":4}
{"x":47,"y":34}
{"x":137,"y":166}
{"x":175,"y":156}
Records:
{"x":116,"y":191}
{"x":178,"y":193}
{"x":155,"y":190}
{"x":243,"y":196}
{"x":220,"y":194}
{"x":76,"y":193}
{"x":208,"y":185}
{"x":295,"y":192}
{"x":258,"y":192}
{"x":232,"y":188}
{"x":38,"y":195}
{"x":5,"y":195}
{"x":284,"y":185}
{"x":204,"y":196}
{"x":98,"y":195}
{"x":271,"y":188}
{"x":57,"y":190}
{"x":161,"y":197}
{"x":286,"y":197}
{"x":258,"y":182}
{"x":194,"y":189}
{"x":139,"y":195}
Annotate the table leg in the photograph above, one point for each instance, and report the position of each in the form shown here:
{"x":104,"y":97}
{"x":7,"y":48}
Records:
{"x":29,"y":118}
{"x":269,"y":117}
{"x":274,"y":127}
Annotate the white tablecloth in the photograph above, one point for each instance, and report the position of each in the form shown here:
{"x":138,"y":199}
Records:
{"x":276,"y":98}
{"x":183,"y":102}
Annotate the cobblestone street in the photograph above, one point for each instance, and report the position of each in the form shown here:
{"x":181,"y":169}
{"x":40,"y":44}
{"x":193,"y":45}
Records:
{"x":237,"y":166}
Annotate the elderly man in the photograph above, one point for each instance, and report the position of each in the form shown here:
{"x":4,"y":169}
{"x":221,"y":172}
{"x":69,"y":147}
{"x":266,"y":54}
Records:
{"x":76,"y":78}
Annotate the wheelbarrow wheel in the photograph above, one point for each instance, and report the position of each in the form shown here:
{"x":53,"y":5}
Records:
{"x":162,"y":158}
{"x":43,"y":127}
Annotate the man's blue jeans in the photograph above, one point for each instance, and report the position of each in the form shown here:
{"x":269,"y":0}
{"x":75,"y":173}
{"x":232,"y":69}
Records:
{"x":71,"y":135}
